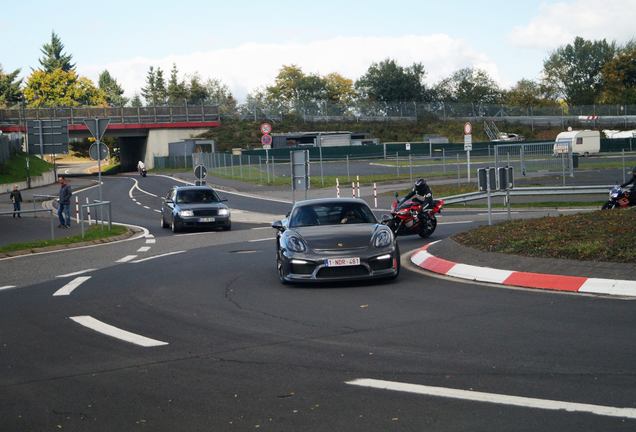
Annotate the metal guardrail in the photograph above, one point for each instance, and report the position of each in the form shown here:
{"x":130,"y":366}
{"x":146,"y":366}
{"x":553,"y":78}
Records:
{"x":100,"y":220}
{"x":50,"y":211}
{"x":529,"y":191}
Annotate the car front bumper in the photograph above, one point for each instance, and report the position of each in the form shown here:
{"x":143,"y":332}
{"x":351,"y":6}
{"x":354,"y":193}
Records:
{"x":204,"y":221}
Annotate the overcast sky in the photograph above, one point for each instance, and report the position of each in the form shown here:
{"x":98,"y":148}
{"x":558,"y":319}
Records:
{"x":245,"y":43}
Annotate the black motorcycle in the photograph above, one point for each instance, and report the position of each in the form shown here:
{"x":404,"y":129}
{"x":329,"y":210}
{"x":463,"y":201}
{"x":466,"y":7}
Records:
{"x":618,"y":198}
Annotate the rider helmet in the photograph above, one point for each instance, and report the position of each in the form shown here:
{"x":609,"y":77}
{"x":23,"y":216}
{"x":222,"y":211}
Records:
{"x":421,"y":187}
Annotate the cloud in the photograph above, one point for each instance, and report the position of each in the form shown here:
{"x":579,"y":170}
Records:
{"x":559,"y":23}
{"x":255,"y":65}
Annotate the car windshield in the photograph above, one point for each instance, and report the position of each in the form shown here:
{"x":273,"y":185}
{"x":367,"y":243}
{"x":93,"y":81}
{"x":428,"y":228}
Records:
{"x":196,"y":196}
{"x":331,"y":214}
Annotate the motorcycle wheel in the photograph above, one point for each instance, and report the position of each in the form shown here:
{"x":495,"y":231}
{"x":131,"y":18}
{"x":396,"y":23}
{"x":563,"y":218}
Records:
{"x":609,"y":205}
{"x":393,"y":226}
{"x":428,"y":227}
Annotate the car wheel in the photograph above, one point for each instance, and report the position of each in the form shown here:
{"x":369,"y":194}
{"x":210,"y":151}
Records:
{"x":163,"y":223}
{"x":175,"y":226}
{"x":279,"y":270}
{"x":399,"y":265}
{"x":227,"y":227}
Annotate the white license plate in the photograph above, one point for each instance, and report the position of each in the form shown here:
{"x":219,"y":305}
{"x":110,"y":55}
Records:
{"x":208,"y":219}
{"x":342,"y":262}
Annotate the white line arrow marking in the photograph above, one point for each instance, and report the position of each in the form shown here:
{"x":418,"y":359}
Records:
{"x":109,"y":330}
{"x":69,"y":287}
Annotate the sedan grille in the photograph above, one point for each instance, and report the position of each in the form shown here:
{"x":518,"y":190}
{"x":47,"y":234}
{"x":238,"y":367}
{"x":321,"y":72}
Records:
{"x":381,"y":264}
{"x":334,"y":272}
{"x":304,"y":269}
{"x":205,"y":212}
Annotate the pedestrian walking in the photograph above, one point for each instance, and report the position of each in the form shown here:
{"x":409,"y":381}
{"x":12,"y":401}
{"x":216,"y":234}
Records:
{"x":16,"y":199}
{"x":64,"y":208}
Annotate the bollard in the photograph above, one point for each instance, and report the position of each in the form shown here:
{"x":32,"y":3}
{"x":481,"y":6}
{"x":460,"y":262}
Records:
{"x":375,"y":196}
{"x":337,"y":188}
{"x":88,"y":212}
{"x":358,"y":185}
{"x":353,"y":189}
{"x":77,"y":209}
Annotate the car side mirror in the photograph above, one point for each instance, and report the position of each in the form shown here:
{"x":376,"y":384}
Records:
{"x":278,"y":225}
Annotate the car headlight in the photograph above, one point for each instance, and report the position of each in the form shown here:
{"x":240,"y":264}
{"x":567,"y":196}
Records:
{"x":296,"y":244}
{"x":382,"y":239}
{"x":224,"y":212}
{"x":186,"y":213}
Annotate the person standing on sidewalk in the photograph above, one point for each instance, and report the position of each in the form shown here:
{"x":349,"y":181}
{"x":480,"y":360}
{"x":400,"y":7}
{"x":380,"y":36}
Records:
{"x":16,"y":199}
{"x":64,"y":208}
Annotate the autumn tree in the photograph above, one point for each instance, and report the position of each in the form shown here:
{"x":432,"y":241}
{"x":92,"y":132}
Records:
{"x":61,"y":88}
{"x":618,"y":77}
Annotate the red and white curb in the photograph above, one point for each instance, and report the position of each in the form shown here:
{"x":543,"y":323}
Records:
{"x":424,"y":259}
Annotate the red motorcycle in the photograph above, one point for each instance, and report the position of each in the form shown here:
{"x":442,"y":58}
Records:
{"x":413,"y":218}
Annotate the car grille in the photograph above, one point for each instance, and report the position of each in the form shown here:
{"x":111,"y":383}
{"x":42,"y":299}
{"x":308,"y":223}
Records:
{"x":380,"y":264}
{"x":334,"y":272}
{"x":205,"y":212}
{"x":304,"y":269}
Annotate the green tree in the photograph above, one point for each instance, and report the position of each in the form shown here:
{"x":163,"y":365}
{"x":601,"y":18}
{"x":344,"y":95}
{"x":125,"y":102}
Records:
{"x":197,"y":92}
{"x":469,"y":85}
{"x":220,"y":94}
{"x":389,"y":82}
{"x":10,"y":92}
{"x":177,"y":90}
{"x":136,"y":102}
{"x":149,"y":91}
{"x":161,"y":92}
{"x":111,"y":88}
{"x":575,"y":70}
{"x":54,"y":58}
{"x":527,"y":93}
{"x":619,"y":77}
{"x":61,"y":88}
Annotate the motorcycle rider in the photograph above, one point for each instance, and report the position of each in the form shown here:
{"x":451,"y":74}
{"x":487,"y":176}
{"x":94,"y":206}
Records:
{"x":421,"y":193}
{"x":632,"y":181}
{"x":141,"y":167}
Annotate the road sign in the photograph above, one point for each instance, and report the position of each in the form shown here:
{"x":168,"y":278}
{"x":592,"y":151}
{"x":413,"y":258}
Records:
{"x":408,"y":146}
{"x":200,"y":172}
{"x":468,"y":128}
{"x":266,"y":140}
{"x":266,"y":128}
{"x":267,"y":147}
{"x":468,"y":142}
{"x":97,"y":127}
{"x":103,"y":150}
{"x":47,"y":136}
{"x":299,"y":171}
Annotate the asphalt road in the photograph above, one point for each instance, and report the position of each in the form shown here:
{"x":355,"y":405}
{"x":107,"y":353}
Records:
{"x":215,"y":342}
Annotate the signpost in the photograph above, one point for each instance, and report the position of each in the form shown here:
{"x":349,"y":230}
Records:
{"x":300,"y":179}
{"x":468,"y":145}
{"x":97,"y":128}
{"x":200,"y":172}
{"x":266,"y":141}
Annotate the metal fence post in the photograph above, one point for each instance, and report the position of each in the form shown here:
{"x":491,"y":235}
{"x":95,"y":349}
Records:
{"x":397,"y":164}
{"x":110,"y":217}
{"x":260,"y":171}
{"x":410,"y":168}
{"x":623,"y":157}
{"x":348,"y":175}
{"x":52,"y":229}
{"x":82,"y":219}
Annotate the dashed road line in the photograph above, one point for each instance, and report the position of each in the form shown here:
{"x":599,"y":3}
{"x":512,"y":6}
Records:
{"x":143,"y":249}
{"x":126,"y":258}
{"x":71,"y":286}
{"x":77,"y":273}
{"x":6,"y":287}
{"x":137,"y":202}
{"x":261,"y":228}
{"x":151,"y":241}
{"x":146,"y":207}
{"x":112,"y":331}
{"x":496,"y":398}
{"x":260,"y":240}
{"x":155,"y":210}
{"x":454,"y":223}
{"x":157,"y":256}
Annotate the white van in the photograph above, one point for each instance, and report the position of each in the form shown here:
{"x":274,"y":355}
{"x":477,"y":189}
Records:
{"x":583,"y":142}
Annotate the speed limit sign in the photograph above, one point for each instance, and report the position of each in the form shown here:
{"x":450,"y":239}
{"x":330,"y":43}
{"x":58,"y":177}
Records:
{"x":266,"y":128}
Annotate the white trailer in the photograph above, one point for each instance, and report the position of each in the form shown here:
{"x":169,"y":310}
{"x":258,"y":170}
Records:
{"x":582,"y":142}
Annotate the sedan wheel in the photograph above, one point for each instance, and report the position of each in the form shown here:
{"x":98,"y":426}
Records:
{"x":279,"y":269}
{"x":163,"y":223}
{"x":175,"y":226}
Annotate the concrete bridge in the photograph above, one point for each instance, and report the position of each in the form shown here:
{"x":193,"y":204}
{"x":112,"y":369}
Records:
{"x":142,"y":133}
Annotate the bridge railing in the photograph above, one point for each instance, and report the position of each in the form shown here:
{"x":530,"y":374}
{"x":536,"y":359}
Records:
{"x":121,"y":115}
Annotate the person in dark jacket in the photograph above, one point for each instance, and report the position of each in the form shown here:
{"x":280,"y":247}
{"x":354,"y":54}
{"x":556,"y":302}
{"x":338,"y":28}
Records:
{"x":632,"y":181}
{"x":421,"y":193}
{"x":64,"y":208}
{"x":16,"y":199}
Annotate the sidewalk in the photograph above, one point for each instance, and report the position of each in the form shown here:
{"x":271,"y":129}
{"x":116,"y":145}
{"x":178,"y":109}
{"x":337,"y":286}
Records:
{"x":447,"y":257}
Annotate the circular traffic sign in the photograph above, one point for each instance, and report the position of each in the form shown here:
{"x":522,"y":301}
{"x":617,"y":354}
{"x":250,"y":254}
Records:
{"x":200,"y":171}
{"x":468,"y":128}
{"x":103,"y":150}
{"x":266,"y":128}
{"x":266,"y":140}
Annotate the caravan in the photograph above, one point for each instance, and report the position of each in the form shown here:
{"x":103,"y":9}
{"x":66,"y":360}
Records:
{"x":582,"y":142}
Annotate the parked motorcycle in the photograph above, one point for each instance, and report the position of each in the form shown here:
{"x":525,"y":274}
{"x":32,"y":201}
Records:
{"x":413,"y":218}
{"x":618,"y":198}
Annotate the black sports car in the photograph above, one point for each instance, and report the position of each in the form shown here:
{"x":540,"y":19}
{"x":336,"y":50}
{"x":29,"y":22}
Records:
{"x":334,"y":239}
{"x":194,"y":206}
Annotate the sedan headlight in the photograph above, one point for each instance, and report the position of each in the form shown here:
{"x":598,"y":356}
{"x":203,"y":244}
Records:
{"x":296,"y":244}
{"x":224,"y":212}
{"x":186,"y":213}
{"x":382,"y":239}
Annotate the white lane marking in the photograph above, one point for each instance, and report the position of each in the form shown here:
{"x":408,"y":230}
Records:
{"x":196,"y":233}
{"x":260,"y":240}
{"x":158,"y":256}
{"x":137,"y":202}
{"x":482,"y":274}
{"x":151,"y":241}
{"x":143,"y":249}
{"x":77,"y":273}
{"x":109,"y":330}
{"x":609,"y":286}
{"x":148,"y":235}
{"x":69,"y":287}
{"x":456,"y":222}
{"x":6,"y":287}
{"x":126,"y":258}
{"x":497,"y":213}
{"x":155,"y":210}
{"x":496,"y":398}
{"x":146,"y":207}
{"x":261,"y":228}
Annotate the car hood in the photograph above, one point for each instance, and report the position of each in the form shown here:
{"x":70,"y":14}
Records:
{"x":202,"y":206}
{"x":335,"y":237}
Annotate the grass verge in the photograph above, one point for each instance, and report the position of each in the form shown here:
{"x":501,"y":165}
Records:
{"x":14,"y":170}
{"x":93,"y":233}
{"x":595,"y":236}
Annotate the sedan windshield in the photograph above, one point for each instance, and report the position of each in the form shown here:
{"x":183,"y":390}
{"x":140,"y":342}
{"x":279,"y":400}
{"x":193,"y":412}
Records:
{"x":196,"y":196}
{"x":331,"y":214}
